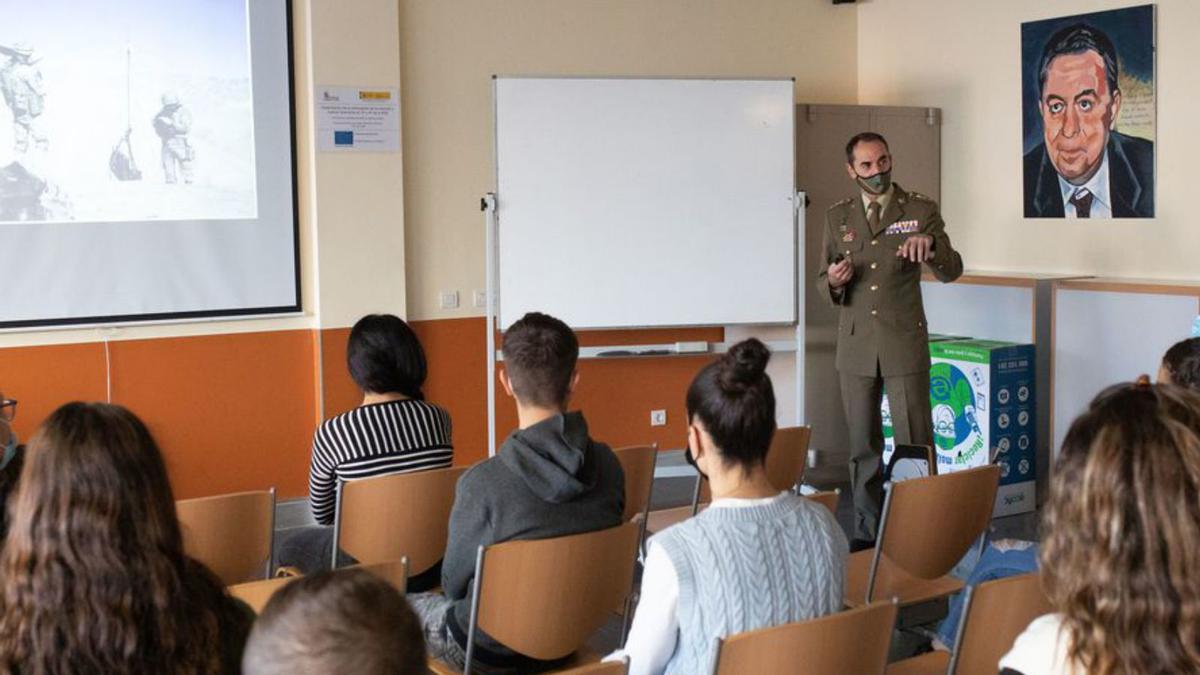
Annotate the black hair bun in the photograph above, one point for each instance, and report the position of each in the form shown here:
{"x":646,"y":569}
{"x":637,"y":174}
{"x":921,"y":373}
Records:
{"x":744,"y":365}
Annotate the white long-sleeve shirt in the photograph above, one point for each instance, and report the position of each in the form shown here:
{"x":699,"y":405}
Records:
{"x":655,"y":629}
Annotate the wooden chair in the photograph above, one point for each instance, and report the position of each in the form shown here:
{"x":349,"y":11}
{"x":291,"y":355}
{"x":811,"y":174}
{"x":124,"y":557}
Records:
{"x":404,"y":515}
{"x":786,"y":460}
{"x":854,"y":642}
{"x":544,"y":598}
{"x":910,"y":453}
{"x":829,"y":499}
{"x":257,"y":593}
{"x":233,"y":535}
{"x":395,"y":572}
{"x":928,"y":524}
{"x":994,"y":614}
{"x":638,"y":462}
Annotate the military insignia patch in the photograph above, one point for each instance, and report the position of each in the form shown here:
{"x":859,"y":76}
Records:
{"x":903,"y":227}
{"x":848,"y":237}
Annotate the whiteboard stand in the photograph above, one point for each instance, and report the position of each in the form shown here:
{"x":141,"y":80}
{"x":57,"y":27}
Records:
{"x":796,"y":345}
{"x":489,"y":220}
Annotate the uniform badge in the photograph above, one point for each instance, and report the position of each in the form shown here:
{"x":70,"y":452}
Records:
{"x":903,"y":227}
{"x":848,"y":237}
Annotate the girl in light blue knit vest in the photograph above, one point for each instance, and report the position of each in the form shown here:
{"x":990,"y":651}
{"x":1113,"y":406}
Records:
{"x":757,"y":557}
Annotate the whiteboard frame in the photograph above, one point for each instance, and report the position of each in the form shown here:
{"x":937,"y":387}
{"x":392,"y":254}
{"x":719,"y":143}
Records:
{"x":797,"y":206}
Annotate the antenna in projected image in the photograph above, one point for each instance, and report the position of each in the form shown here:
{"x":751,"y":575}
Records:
{"x":121,"y":161}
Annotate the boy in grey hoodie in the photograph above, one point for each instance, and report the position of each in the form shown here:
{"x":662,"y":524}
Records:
{"x":549,"y":479}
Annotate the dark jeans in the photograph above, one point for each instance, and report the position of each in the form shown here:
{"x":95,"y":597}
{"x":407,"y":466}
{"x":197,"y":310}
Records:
{"x":310,"y":547}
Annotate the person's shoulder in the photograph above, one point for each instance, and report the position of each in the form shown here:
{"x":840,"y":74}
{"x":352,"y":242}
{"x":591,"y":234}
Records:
{"x":840,"y":206}
{"x":915,"y":198}
{"x":1040,"y":648}
{"x":1139,"y":152}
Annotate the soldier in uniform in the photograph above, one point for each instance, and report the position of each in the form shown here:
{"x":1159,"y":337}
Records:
{"x":21,"y":84}
{"x":874,"y":247}
{"x":172,"y":125}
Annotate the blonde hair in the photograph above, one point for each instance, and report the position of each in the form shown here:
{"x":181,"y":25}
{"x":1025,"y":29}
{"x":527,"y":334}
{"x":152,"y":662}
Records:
{"x":1121,"y":555}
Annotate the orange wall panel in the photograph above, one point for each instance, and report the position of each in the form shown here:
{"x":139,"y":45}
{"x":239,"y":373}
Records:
{"x":231,"y":412}
{"x":43,"y":378}
{"x":616,"y":395}
{"x":339,"y":391}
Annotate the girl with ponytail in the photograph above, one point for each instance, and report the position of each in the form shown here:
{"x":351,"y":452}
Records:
{"x":757,"y":557}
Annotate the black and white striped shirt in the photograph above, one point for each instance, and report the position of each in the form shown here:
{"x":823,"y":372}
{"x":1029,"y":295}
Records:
{"x":374,"y":440}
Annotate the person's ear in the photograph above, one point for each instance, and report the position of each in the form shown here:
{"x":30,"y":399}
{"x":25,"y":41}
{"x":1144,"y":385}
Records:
{"x":505,"y":382}
{"x":698,"y":442}
{"x":574,"y":383}
{"x":1114,"y":110}
{"x":851,"y":172}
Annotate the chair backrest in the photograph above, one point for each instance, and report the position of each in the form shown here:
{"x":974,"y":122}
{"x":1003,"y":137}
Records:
{"x":929,"y":523}
{"x":637,"y":462}
{"x":910,"y":461}
{"x":396,"y":516}
{"x":786,"y":460}
{"x":828,"y":499}
{"x":544,"y":598}
{"x":994,"y":614}
{"x":395,"y":572}
{"x":257,"y":593}
{"x":853,"y":642}
{"x":233,"y":535}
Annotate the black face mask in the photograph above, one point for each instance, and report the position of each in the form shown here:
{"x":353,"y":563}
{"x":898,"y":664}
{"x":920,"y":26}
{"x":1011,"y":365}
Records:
{"x":687,"y":454}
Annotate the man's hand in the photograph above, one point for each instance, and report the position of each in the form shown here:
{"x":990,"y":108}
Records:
{"x":840,"y":273}
{"x":917,"y":248}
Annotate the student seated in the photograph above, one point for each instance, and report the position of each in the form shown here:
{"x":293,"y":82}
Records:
{"x":393,"y":431}
{"x":94,"y":575}
{"x":1181,"y":364}
{"x":346,"y":621}
{"x":1121,"y":552}
{"x":549,"y":479}
{"x":12,"y":458}
{"x":757,"y":557}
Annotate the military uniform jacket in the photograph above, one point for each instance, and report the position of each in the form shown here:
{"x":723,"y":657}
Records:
{"x":881,"y":325}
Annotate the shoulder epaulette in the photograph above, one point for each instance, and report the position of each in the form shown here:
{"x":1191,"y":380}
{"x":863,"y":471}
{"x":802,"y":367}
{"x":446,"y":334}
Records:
{"x":919,"y":196}
{"x":842,"y":203}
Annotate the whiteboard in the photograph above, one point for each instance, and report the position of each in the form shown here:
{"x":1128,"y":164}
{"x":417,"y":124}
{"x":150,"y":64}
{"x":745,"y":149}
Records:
{"x":646,"y":202}
{"x":980,"y":310}
{"x":1105,"y":337}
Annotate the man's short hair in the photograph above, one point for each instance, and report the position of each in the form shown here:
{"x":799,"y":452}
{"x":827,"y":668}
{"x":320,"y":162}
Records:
{"x":1182,"y":361}
{"x":1077,"y":39}
{"x":345,"y":621}
{"x":540,"y":352}
{"x":864,"y":137}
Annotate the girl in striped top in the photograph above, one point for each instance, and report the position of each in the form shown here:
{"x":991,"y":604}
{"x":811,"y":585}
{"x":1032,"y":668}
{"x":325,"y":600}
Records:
{"x":393,"y":431}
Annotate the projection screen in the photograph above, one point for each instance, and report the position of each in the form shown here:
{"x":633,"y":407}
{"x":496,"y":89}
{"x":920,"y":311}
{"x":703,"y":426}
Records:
{"x":147,"y":169}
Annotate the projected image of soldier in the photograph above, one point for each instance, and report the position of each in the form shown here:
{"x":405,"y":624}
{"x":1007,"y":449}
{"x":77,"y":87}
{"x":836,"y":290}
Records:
{"x":21,"y":84}
{"x":172,"y":125}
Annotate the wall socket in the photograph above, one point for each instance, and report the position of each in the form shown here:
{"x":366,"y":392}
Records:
{"x":658,"y":418}
{"x":480,"y":299}
{"x":448,"y":299}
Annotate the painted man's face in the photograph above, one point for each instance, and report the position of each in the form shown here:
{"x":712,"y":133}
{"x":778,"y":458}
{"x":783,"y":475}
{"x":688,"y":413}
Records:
{"x":1078,"y":110}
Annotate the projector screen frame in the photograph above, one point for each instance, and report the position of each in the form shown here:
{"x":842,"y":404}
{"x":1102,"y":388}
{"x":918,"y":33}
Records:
{"x":208,"y":315}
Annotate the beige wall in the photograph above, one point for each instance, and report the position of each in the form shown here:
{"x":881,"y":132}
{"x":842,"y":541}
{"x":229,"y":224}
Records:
{"x":451,"y":48}
{"x":964,"y":57}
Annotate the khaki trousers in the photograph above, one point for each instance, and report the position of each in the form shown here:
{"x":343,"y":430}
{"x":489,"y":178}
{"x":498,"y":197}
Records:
{"x":912,"y":421}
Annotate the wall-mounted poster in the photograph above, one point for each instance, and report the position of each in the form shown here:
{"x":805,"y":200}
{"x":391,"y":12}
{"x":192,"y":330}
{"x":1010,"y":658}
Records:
{"x":1087,"y":86}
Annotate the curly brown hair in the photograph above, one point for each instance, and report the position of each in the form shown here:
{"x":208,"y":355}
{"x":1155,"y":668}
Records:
{"x":1121,"y":557}
{"x":93,"y":569}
